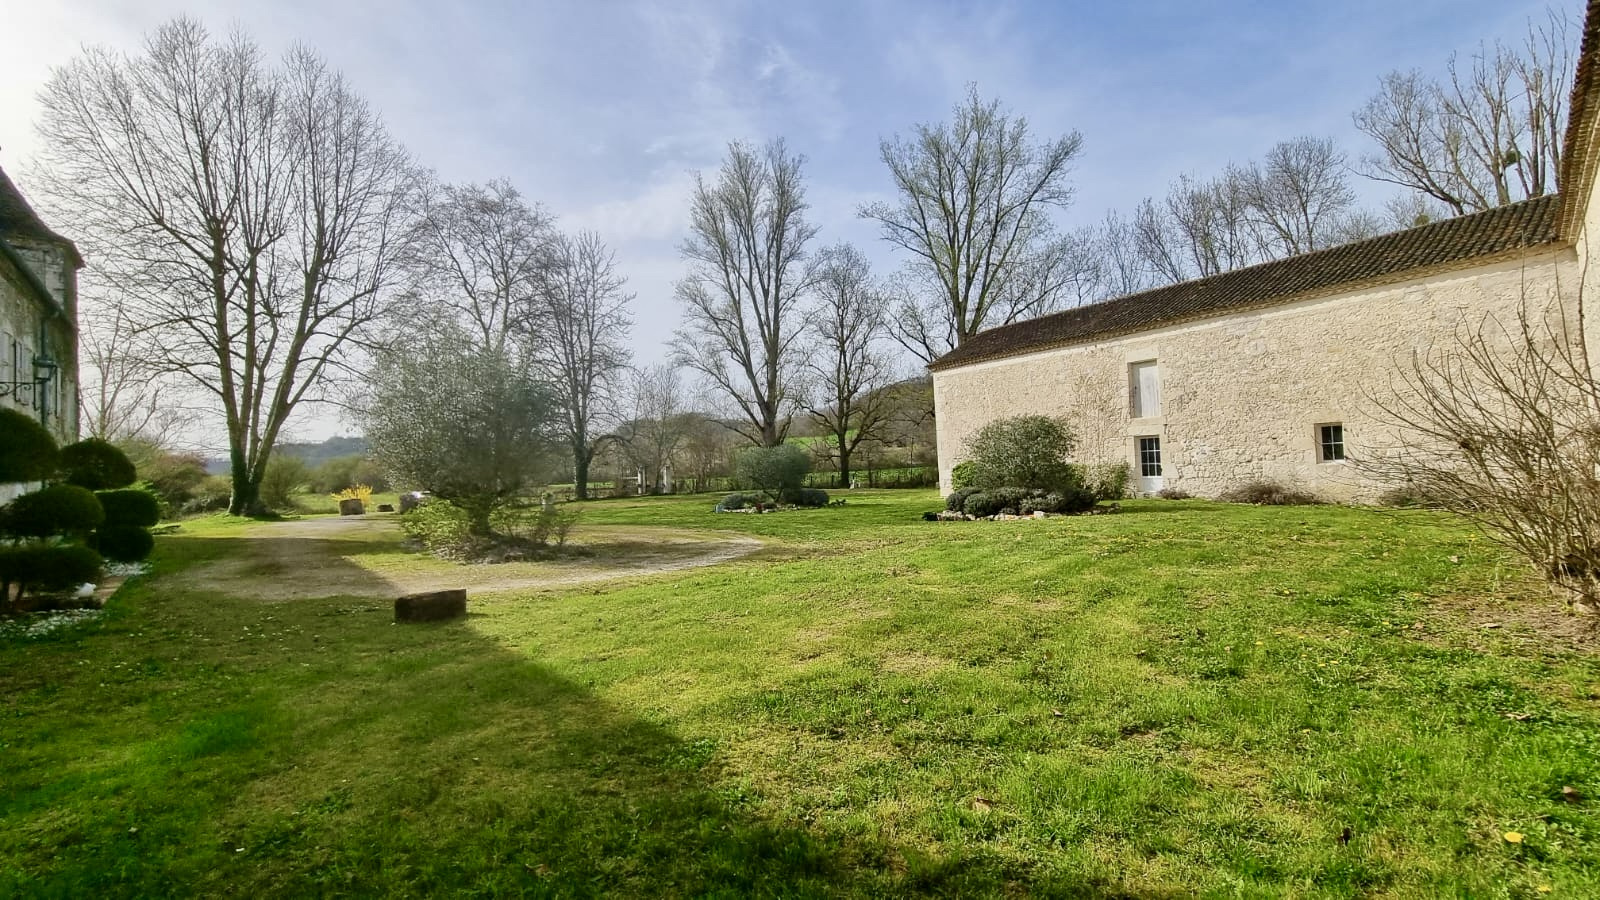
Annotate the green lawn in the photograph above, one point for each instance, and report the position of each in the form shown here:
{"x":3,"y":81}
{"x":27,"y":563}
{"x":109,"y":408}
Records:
{"x":1185,"y":698}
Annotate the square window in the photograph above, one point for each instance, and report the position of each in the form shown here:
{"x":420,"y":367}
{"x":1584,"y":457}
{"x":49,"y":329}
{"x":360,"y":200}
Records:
{"x":1330,"y":442}
{"x":1150,"y":457}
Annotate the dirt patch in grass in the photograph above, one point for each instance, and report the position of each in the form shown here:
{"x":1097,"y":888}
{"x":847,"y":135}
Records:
{"x":1523,"y":616}
{"x":363,"y":557}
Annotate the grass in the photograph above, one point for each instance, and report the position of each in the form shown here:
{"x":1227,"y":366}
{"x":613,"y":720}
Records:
{"x":1185,"y":698}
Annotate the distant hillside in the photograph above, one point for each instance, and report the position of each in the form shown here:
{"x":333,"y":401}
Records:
{"x":314,"y":454}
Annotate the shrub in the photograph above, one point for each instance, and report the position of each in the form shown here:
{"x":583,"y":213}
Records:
{"x":1174,"y":494}
{"x":1265,"y":492}
{"x":124,"y":543}
{"x":741,"y":500}
{"x":1024,"y":451}
{"x":437,"y":525}
{"x":97,"y":465}
{"x":996,"y":501}
{"x":360,"y":492}
{"x":962,"y":475}
{"x":1105,"y":480}
{"x":957,"y":501}
{"x":130,"y":507}
{"x":777,"y":472}
{"x":810,"y":497}
{"x":285,"y":475}
{"x":27,"y":451}
{"x":47,"y":567}
{"x":211,"y":496}
{"x":60,"y":509}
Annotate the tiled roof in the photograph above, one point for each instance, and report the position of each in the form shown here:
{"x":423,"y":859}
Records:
{"x":1580,"y":154}
{"x":1530,"y":223}
{"x":17,"y":218}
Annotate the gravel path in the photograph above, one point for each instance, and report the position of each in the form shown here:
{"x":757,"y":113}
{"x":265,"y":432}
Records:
{"x":357,"y":556}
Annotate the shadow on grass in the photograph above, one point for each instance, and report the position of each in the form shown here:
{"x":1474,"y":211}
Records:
{"x":317,"y":748}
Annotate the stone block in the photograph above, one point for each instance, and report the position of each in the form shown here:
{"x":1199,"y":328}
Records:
{"x":431,"y":606}
{"x":352,"y":507}
{"x":385,"y":507}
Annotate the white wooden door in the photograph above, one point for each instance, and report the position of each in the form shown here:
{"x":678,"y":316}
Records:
{"x":1146,"y":383}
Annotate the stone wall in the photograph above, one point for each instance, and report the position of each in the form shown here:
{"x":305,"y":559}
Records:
{"x":1242,"y":395}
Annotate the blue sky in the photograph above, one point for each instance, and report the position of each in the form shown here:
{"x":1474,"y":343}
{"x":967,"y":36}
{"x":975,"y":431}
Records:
{"x":601,"y":109}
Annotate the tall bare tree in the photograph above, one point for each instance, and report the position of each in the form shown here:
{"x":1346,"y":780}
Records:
{"x":580,"y":321}
{"x":656,"y":424}
{"x":1487,"y":134}
{"x":481,"y":256}
{"x":747,"y":275}
{"x":123,"y":396}
{"x":1299,"y":195}
{"x":253,"y":213}
{"x":848,"y":367}
{"x":973,"y":210}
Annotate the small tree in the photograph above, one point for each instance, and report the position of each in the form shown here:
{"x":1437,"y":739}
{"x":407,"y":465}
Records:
{"x":463,"y":422}
{"x":1024,"y":452}
{"x":285,"y":475}
{"x":1502,"y":425}
{"x":779,"y":472}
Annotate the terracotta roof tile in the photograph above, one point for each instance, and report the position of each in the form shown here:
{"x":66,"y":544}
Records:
{"x":1530,"y":223}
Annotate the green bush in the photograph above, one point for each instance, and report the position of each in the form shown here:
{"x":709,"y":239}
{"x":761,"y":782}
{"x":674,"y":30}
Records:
{"x":810,"y":497}
{"x":1025,"y":501}
{"x":47,"y":567}
{"x":1265,"y":492}
{"x":1024,"y":451}
{"x":1174,"y":494}
{"x":60,"y":509}
{"x":775,"y":471}
{"x":124,"y":543}
{"x":961,"y":477}
{"x":957,"y":501}
{"x":211,"y":496}
{"x":742,"y":500}
{"x":1105,"y":480}
{"x":97,"y":465}
{"x":285,"y":474}
{"x":130,"y":507}
{"x":27,"y":451}
{"x":437,"y":524}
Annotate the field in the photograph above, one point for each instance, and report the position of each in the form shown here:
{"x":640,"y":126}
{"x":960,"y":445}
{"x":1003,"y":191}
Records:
{"x":1183,"y":698}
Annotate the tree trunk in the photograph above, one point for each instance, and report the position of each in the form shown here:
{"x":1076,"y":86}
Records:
{"x":580,"y":473}
{"x":246,"y":497}
{"x":844,"y":465}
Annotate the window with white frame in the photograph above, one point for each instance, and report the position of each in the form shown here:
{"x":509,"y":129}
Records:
{"x":1144,"y":389}
{"x":1149,"y":457}
{"x":1330,"y":442}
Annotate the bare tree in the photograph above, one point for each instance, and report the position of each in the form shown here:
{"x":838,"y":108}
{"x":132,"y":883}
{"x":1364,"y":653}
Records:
{"x":748,"y":273}
{"x":655,"y":425}
{"x":252,"y":213}
{"x":1298,"y":195}
{"x":580,"y":321}
{"x":848,"y":367}
{"x":973,"y":210}
{"x":1202,"y":228}
{"x":482,"y":254}
{"x":1500,"y":426}
{"x":123,"y":397}
{"x":1122,"y":268}
{"x":1488,"y":134}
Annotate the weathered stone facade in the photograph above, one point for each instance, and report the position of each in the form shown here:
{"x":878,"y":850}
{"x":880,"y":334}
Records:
{"x":1241,"y":396}
{"x":38,"y":320}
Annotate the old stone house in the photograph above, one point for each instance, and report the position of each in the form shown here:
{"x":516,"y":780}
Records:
{"x":38,"y":318}
{"x":1272,"y":371}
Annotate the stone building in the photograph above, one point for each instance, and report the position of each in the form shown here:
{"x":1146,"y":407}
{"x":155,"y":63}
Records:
{"x":38,"y":316}
{"x":1275,"y":370}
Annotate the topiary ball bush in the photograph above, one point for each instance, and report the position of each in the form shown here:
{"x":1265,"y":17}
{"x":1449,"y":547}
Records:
{"x":125,"y":543}
{"x":58,"y":509}
{"x":131,"y":507}
{"x":27,"y":451}
{"x":43,"y":567}
{"x":97,"y":465}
